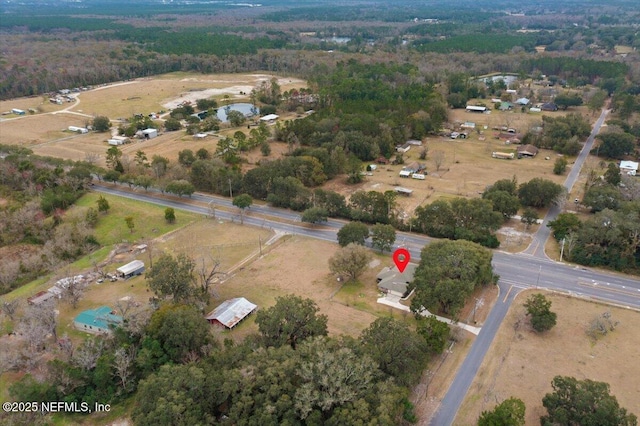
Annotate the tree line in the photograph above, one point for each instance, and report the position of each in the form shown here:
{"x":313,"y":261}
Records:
{"x":38,"y":191}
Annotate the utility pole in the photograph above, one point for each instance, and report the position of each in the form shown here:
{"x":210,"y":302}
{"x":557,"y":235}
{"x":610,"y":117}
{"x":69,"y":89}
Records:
{"x":230,"y":190}
{"x":260,"y":241}
{"x":562,"y":250}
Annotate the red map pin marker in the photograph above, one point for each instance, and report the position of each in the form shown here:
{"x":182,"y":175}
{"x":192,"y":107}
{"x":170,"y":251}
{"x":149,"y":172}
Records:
{"x":401,"y":258}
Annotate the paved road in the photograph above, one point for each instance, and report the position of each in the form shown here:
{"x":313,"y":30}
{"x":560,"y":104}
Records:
{"x":536,"y":247}
{"x":520,"y":271}
{"x":530,"y":269}
{"x":516,"y":270}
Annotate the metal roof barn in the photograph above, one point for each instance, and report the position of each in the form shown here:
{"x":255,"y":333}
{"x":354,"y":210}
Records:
{"x":231,"y":312}
{"x":135,"y":267}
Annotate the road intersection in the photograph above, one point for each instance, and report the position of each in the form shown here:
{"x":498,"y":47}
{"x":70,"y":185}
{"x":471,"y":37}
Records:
{"x":529,"y":269}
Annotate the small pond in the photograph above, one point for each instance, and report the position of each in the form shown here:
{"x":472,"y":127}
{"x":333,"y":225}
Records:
{"x":248,"y":110}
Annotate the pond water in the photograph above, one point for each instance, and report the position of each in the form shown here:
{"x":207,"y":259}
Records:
{"x":248,"y":110}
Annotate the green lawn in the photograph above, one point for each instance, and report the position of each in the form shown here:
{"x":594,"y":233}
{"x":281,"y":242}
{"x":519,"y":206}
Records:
{"x":148,"y":219}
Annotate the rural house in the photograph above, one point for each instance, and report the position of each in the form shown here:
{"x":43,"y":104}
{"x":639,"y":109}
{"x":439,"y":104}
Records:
{"x":97,"y":321}
{"x":403,"y":148}
{"x":392,"y":281}
{"x":231,"y":312}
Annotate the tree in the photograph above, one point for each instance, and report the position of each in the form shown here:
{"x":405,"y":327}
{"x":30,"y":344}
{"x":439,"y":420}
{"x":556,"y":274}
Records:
{"x":612,"y":175}
{"x":448,"y":273}
{"x":111,"y":176}
{"x":560,"y":166}
{"x":600,"y":197}
{"x":529,"y":217}
{"x":615,"y":144}
{"x":539,"y":192}
{"x":597,"y":101}
{"x":290,"y":321}
{"x":353,"y":232}
{"x":180,"y":187}
{"x":564,"y":224}
{"x":265,"y":149}
{"x":583,"y":402}
{"x":398,"y":351}
{"x":539,"y":309}
{"x":114,"y":154}
{"x":141,"y":159}
{"x":180,"y":330}
{"x":314,"y":215}
{"x":354,"y":169}
{"x":236,"y":118}
{"x":103,"y":204}
{"x":565,"y":100}
{"x":383,"y":236}
{"x":130,"y":224}
{"x":101,"y":124}
{"x":242,"y":202}
{"x":351,"y":260}
{"x":179,"y":395}
{"x":435,"y":333}
{"x":91,"y":217}
{"x":503,"y":202}
{"x":509,"y":412}
{"x":74,"y":291}
{"x":186,"y":157}
{"x":143,"y":181}
{"x":171,"y":276}
{"x":172,"y":124}
{"x":203,"y":154}
{"x":330,"y":378}
{"x":169,"y":215}
{"x":438,"y":159}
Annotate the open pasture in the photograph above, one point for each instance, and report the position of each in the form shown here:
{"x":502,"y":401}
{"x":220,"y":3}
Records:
{"x":521,"y":363}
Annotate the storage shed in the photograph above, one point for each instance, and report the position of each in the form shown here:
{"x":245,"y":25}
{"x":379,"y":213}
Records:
{"x":131,"y":269}
{"x":150,"y":133}
{"x":231,"y":312}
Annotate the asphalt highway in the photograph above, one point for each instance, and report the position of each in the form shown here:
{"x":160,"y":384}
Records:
{"x":529,"y":269}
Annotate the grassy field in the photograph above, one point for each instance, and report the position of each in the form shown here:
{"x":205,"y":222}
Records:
{"x":148,"y":219}
{"x":521,"y":363}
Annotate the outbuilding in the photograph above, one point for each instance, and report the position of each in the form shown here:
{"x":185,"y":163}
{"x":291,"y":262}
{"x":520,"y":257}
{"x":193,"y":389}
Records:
{"x":475,"y":108}
{"x":150,"y":133}
{"x":131,"y":269}
{"x":403,"y":148}
{"x":76,"y":129}
{"x":231,"y":312}
{"x":629,"y":168}
{"x":17,"y":111}
{"x":269,"y":118}
{"x":527,"y":151}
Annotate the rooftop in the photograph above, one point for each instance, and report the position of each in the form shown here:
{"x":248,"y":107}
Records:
{"x":101,"y":317}
{"x":231,"y":312}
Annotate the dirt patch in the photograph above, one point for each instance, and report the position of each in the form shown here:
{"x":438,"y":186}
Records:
{"x":522,"y":363}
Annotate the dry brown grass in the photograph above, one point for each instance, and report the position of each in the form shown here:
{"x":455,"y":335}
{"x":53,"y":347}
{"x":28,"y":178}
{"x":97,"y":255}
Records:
{"x":41,"y":128}
{"x":46,"y":133}
{"x":522,"y":363}
{"x":467,"y":170}
{"x":146,"y":95}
